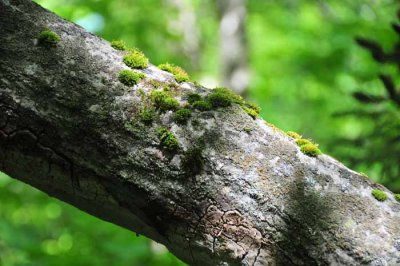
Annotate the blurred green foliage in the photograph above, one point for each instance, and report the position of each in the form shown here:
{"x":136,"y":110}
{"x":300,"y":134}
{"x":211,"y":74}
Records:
{"x":305,"y":67}
{"x":36,"y":230}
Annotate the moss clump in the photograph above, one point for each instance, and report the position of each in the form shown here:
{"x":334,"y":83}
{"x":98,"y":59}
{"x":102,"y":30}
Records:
{"x":250,"y":112}
{"x":182,"y":115}
{"x":293,"y":135}
{"x":163,"y":101}
{"x":192,"y":162}
{"x":118,"y":45}
{"x":136,"y":59}
{"x":202,"y":105}
{"x":223,"y":97}
{"x":193,"y":97}
{"x":251,"y":109}
{"x":48,"y":38}
{"x":301,"y":142}
{"x":310,"y":149}
{"x":129,"y":78}
{"x":147,"y":116}
{"x":397,"y":197}
{"x":179,"y":73}
{"x":306,"y":146}
{"x":167,"y":140}
{"x":379,"y":194}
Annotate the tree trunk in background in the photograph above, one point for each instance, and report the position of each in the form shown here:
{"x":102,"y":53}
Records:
{"x":234,"y":59}
{"x":67,"y":127}
{"x":186,"y":25}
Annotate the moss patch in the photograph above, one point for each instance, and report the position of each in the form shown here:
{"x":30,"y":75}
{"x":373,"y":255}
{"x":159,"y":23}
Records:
{"x":129,"y":78}
{"x":118,"y":45}
{"x":379,"y":194}
{"x":397,"y":197}
{"x":310,"y":149}
{"x":302,"y":142}
{"x":179,"y":73}
{"x":202,"y":105}
{"x":252,"y":109}
{"x":193,"y":97}
{"x":147,"y":116}
{"x":223,"y":97}
{"x":182,"y":115}
{"x":294,"y":135}
{"x":168,"y":140}
{"x":163,"y":101}
{"x":48,"y":38}
{"x":136,"y":59}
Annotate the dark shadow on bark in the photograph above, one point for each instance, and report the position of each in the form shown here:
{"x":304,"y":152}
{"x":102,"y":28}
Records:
{"x":308,"y":218}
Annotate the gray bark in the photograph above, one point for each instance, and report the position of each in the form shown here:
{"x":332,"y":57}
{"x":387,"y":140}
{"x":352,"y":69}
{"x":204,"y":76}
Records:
{"x":67,"y":127}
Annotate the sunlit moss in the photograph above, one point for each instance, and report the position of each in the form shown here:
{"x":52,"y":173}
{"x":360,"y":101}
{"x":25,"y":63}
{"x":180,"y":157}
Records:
{"x":136,"y":59}
{"x":48,"y":38}
{"x":118,"y":45}
{"x":302,"y":142}
{"x":293,"y":135}
{"x":379,"y":194}
{"x":179,"y":73}
{"x":310,"y":149}
{"x":250,"y":112}
{"x":129,"y":78}
{"x":252,"y":109}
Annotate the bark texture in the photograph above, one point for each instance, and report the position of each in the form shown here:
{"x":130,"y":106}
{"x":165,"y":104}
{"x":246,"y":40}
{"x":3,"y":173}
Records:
{"x":71,"y":129}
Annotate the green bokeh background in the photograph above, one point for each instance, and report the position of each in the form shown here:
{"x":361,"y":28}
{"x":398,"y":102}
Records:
{"x":305,"y":66}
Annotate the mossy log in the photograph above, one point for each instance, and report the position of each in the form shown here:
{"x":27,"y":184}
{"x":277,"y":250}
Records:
{"x":248,"y":195}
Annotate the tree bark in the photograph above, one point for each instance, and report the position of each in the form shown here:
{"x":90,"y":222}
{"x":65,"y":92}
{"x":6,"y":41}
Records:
{"x":71,"y":129}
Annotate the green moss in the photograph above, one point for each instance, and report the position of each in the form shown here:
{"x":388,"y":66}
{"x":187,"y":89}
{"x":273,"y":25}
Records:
{"x":163,"y":101}
{"x":147,"y":116}
{"x":293,"y":135}
{"x":310,"y":149}
{"x":250,"y":112}
{"x":302,"y":142}
{"x":193,"y":97}
{"x":379,"y":194}
{"x":192,"y":162}
{"x":182,"y":115}
{"x":167,"y":140}
{"x":129,"y":78}
{"x":48,"y":38}
{"x":397,"y":197}
{"x":202,"y":105}
{"x":223,"y":97}
{"x":136,"y":59}
{"x":179,"y":73}
{"x":253,"y":106}
{"x":118,"y":45}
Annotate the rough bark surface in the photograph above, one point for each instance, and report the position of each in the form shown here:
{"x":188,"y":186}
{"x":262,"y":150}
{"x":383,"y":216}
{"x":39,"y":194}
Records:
{"x":67,"y":127}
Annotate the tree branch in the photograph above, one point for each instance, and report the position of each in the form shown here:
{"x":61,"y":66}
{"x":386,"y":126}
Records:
{"x":71,"y":129}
